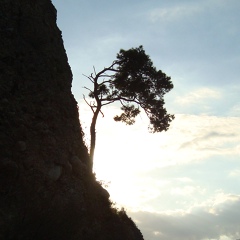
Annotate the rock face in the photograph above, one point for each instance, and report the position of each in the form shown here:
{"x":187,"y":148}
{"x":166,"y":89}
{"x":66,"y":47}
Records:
{"x":46,"y":188}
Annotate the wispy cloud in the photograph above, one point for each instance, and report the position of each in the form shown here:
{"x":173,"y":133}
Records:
{"x":185,"y":191}
{"x":198,"y":96}
{"x":235,"y":173}
{"x":174,"y":13}
{"x":235,"y":110}
{"x":184,"y":11}
{"x":211,"y":141}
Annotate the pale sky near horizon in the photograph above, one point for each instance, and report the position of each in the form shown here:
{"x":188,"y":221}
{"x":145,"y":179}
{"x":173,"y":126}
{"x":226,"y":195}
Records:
{"x":183,"y":183}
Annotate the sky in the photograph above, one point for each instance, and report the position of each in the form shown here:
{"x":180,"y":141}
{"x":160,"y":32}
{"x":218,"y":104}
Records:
{"x":184,"y":183}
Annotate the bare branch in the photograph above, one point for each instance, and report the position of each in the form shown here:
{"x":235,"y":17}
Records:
{"x":104,"y":104}
{"x":147,"y":112}
{"x":121,"y":99}
{"x":94,"y":71}
{"x":110,"y":68}
{"x":101,"y":113}
{"x":90,"y":78}
{"x":122,"y":103}
{"x":87,"y":89}
{"x":89,"y":104}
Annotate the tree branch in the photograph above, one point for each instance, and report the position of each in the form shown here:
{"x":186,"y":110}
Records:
{"x":88,"y":89}
{"x":104,"y":104}
{"x":121,"y":99}
{"x":88,"y":103}
{"x":101,"y":113}
{"x":94,"y":71}
{"x":110,"y":68}
{"x":90,"y":78}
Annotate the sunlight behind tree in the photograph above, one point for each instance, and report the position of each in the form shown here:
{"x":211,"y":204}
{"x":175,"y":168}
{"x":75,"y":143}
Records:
{"x":137,"y":85}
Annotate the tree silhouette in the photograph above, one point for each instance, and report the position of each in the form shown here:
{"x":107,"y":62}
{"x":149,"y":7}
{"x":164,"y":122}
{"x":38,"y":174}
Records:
{"x":133,"y":81}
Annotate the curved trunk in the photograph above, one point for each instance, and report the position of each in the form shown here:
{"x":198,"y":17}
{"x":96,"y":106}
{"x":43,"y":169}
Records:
{"x":94,"y":121}
{"x":93,"y":136}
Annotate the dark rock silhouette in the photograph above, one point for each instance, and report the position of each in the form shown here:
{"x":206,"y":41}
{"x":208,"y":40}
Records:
{"x":47,"y":190}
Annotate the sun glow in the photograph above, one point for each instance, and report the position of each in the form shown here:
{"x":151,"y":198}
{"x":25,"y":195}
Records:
{"x":122,"y":154}
{"x":132,"y":161}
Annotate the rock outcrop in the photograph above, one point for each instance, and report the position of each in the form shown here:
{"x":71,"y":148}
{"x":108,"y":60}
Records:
{"x":46,"y":188}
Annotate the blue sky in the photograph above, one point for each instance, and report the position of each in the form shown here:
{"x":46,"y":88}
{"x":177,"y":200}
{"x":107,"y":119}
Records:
{"x":183,"y":183}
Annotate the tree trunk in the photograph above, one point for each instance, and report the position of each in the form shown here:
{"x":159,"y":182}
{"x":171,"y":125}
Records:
{"x":93,"y":136}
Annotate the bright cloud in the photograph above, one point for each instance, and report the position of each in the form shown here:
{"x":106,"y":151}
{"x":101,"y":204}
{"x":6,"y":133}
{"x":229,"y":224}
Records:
{"x":185,"y":191}
{"x":198,"y":96}
{"x":203,"y":99}
{"x":235,"y":173}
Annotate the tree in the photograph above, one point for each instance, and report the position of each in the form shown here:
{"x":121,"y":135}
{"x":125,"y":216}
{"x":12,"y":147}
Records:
{"x":133,"y":81}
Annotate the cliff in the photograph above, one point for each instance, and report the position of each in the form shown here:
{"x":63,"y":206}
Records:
{"x":46,"y":188}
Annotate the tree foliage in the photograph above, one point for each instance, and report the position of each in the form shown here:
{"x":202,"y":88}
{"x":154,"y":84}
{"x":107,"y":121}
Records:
{"x":133,"y":81}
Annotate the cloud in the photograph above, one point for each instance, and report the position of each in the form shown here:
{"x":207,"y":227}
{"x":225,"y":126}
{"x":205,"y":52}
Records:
{"x":183,"y":11}
{"x":184,"y":191}
{"x":204,"y":136}
{"x":211,"y":141}
{"x":216,"y":219}
{"x":235,"y":110}
{"x":235,"y":173}
{"x":199,"y":96}
{"x":202,"y":100}
{"x":173,"y":13}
